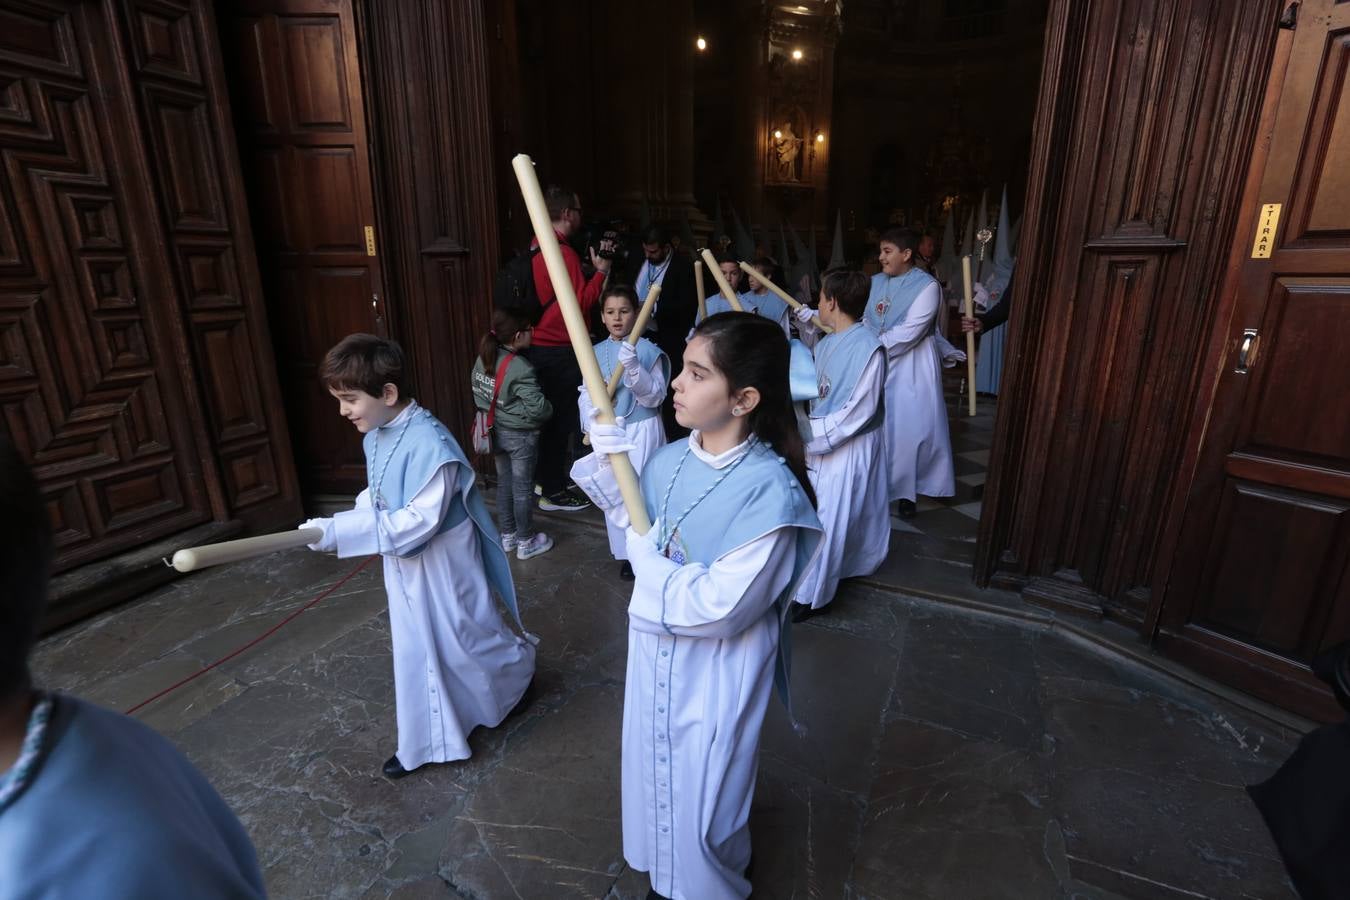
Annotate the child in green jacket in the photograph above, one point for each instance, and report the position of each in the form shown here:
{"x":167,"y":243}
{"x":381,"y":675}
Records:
{"x":521,"y":411}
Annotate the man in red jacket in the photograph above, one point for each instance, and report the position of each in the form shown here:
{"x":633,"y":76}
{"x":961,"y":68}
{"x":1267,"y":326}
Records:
{"x":551,"y":353}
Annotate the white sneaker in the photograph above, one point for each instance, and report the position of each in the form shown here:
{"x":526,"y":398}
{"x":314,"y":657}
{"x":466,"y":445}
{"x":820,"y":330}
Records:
{"x":540,"y":543}
{"x":509,"y":542}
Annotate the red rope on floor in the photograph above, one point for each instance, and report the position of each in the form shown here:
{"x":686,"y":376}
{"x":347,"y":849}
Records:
{"x":266,"y":634}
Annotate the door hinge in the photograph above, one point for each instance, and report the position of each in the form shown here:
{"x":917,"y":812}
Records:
{"x":1289,"y":20}
{"x":370,"y":240}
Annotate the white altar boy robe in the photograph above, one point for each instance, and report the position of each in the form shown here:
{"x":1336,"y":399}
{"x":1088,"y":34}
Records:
{"x":638,"y":401}
{"x":848,"y":473}
{"x":918,"y":444}
{"x":701,"y":658}
{"x":457,"y":665}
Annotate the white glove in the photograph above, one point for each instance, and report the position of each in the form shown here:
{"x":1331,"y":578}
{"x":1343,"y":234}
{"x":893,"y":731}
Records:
{"x":805,"y":314}
{"x":586,"y":408}
{"x":327,"y":543}
{"x":628,"y":357}
{"x":593,"y":474}
{"x":641,"y":547}
{"x":609,"y":439}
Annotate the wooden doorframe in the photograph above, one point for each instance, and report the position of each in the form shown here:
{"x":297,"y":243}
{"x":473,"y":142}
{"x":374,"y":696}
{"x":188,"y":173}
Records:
{"x":1222,"y":344}
{"x":437,"y":219}
{"x":1065,"y":24}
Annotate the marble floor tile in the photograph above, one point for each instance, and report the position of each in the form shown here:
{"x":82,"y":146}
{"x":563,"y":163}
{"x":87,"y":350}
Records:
{"x":949,"y":750}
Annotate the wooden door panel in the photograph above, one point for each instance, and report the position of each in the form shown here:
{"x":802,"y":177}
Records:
{"x":275,"y":228}
{"x":330,"y":202}
{"x":236,"y":408}
{"x":1320,"y":205}
{"x":1300,"y":409}
{"x":90,"y":386}
{"x":164,"y":43}
{"x":42,"y":39}
{"x":316,"y":66}
{"x":249,"y":67}
{"x":303,"y":140}
{"x":185,"y":156}
{"x":1261,"y":578}
{"x":1274,"y":544}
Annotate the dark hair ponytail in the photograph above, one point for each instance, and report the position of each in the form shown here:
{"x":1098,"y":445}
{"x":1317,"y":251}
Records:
{"x":506,"y":324}
{"x":751,"y":351}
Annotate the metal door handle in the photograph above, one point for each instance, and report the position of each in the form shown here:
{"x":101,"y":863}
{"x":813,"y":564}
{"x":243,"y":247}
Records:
{"x":1245,"y":350}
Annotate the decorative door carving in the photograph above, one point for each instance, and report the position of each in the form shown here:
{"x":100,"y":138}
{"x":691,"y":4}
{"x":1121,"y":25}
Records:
{"x":178,"y":83}
{"x":91,"y":380}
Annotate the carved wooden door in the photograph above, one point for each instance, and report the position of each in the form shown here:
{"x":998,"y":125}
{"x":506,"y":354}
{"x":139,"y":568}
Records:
{"x":91,"y":361}
{"x":1262,"y":578}
{"x":299,"y":112}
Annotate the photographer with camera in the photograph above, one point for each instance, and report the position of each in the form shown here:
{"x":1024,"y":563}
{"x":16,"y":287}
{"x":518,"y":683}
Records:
{"x":551,"y":350}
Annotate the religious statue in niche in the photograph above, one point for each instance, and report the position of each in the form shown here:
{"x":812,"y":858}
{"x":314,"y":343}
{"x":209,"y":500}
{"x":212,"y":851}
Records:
{"x":787,"y":150}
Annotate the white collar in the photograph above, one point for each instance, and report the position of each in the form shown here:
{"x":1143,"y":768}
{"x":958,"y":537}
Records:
{"x":408,"y":412}
{"x":721,"y":460}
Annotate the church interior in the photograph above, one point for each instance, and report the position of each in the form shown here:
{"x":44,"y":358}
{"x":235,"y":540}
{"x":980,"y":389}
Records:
{"x":1063,"y":678}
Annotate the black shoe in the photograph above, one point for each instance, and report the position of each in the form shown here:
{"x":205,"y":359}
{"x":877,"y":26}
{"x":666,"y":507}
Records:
{"x":523,"y":703}
{"x":393,"y":769}
{"x":906,"y":508}
{"x":804,"y":612}
{"x":653,"y":895}
{"x":563,"y":501}
{"x":625,"y":571}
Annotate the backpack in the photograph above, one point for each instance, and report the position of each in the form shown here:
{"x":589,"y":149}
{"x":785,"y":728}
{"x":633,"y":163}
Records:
{"x":514,"y":288}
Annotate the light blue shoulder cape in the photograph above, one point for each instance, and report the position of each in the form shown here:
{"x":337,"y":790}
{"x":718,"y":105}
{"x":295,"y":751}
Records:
{"x":424,"y":448}
{"x":891,"y":298}
{"x":625,"y":404}
{"x":760,"y":496}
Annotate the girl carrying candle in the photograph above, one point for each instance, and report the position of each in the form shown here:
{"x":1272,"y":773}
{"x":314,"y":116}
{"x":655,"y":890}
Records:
{"x":734,"y":527}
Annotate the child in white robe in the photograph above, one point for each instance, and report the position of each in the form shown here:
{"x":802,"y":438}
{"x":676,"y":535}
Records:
{"x":733,"y":530}
{"x":642,"y":390}
{"x":456,"y":663}
{"x":845,"y":450}
{"x":902,"y":310}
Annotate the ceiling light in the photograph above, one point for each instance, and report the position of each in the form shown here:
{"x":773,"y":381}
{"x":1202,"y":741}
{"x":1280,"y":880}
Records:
{"x":701,"y":44}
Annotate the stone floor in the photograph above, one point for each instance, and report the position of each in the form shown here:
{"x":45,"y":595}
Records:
{"x":951,"y":752}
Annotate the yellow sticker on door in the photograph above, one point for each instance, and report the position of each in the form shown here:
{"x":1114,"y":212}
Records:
{"x":1266,"y":226}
